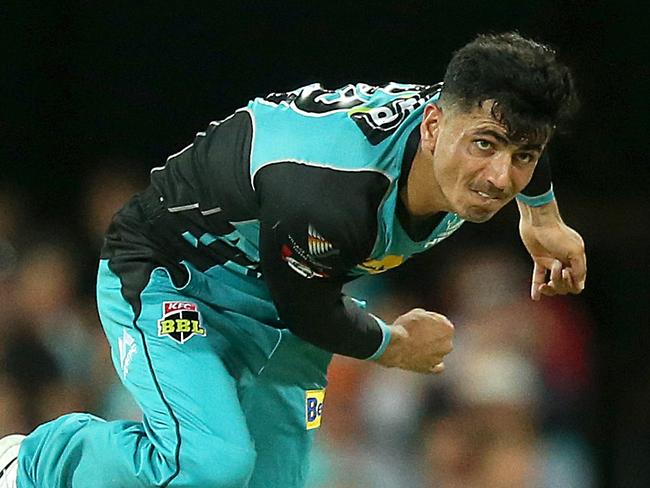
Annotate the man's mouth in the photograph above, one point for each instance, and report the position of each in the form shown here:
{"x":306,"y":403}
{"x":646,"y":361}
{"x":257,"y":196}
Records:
{"x":489,"y":195}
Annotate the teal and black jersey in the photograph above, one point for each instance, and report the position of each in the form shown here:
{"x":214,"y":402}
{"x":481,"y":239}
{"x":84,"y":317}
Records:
{"x":358,"y":132}
{"x":299,"y":189}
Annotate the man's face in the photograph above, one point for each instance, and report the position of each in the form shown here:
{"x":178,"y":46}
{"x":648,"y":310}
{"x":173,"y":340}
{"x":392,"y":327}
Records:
{"x":477,"y":167}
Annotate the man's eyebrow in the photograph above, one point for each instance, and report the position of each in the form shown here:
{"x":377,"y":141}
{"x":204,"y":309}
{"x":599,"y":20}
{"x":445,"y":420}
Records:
{"x":531,"y":147}
{"x":497,"y":135}
{"x":506,"y":140}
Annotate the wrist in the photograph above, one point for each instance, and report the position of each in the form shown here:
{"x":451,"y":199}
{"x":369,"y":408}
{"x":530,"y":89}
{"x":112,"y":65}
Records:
{"x":537,"y":200}
{"x":540,"y":216}
{"x":387,"y":338}
{"x":392,"y":354}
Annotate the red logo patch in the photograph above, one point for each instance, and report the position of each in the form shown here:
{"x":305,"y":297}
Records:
{"x":300,"y":267}
{"x":177,"y":306}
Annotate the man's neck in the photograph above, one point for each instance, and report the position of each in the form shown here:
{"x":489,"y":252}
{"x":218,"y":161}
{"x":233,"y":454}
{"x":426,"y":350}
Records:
{"x":421,"y":195}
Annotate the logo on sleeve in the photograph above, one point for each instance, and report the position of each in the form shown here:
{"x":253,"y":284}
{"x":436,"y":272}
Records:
{"x":314,"y":408}
{"x":299,"y":266}
{"x":307,"y":260}
{"x":319,"y":247}
{"x":127,"y":347}
{"x":180,"y":321}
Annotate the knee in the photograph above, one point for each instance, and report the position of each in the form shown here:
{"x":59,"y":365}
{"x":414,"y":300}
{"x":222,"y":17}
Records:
{"x":216,"y":464}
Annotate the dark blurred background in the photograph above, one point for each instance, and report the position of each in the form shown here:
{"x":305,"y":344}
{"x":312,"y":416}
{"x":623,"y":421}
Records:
{"x":94,"y":95}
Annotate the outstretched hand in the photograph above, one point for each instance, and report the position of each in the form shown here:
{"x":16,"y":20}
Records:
{"x":558,"y":252}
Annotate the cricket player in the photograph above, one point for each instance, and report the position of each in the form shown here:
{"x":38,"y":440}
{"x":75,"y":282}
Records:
{"x":219,"y":286}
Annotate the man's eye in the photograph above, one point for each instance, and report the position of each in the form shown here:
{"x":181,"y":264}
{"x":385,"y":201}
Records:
{"x":525,"y":158}
{"x":483,"y":145}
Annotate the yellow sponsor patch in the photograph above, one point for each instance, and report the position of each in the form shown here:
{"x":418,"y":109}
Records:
{"x":314,"y":408}
{"x":375,"y":266}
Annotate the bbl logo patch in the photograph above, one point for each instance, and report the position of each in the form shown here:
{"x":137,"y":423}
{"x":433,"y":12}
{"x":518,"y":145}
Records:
{"x":180,"y":321}
{"x":314,"y":408}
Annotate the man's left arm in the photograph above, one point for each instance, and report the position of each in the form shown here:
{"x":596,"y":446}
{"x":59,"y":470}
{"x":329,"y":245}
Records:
{"x":557,"y":250}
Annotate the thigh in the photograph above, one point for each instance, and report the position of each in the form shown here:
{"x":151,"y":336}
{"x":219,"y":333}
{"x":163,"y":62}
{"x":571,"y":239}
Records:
{"x":168,"y":355}
{"x":283,"y":405}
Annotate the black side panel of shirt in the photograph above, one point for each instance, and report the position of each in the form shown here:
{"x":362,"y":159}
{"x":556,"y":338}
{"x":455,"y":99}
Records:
{"x":210,"y":178}
{"x":213,"y":173}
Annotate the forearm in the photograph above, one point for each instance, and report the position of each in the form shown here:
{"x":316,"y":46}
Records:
{"x":309,"y":301}
{"x":539,"y":191}
{"x":541,"y":181}
{"x":340,"y":327}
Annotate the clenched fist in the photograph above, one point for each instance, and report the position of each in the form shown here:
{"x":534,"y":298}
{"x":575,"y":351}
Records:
{"x":419,"y":342}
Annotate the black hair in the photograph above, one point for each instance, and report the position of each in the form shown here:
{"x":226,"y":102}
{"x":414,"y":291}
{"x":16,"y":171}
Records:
{"x":533,"y":92}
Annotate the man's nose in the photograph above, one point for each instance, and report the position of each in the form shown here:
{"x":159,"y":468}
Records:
{"x":498,"y":171}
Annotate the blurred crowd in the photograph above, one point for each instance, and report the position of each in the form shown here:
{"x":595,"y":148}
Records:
{"x":54,"y":358}
{"x":508,"y":412}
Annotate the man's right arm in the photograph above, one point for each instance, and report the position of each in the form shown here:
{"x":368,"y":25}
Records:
{"x":316,"y":224}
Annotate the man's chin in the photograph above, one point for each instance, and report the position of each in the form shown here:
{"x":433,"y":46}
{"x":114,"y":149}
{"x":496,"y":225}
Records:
{"x":476,"y":215}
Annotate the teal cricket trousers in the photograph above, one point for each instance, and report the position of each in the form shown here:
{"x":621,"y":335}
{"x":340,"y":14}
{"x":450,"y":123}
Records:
{"x":227,"y":401}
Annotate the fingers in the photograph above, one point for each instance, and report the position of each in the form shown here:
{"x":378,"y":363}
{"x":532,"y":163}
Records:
{"x":556,"y":284}
{"x":571,"y":279}
{"x":556,"y":272}
{"x":568,"y":284}
{"x":551,"y":278}
{"x":539,"y":279}
{"x":578,"y":268}
{"x":441,"y":319}
{"x":438,"y":368}
{"x":428,"y":339}
{"x":548,"y":290}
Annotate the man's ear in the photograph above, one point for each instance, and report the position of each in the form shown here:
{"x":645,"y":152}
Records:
{"x":429,"y":127}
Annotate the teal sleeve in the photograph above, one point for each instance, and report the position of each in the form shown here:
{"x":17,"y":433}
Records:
{"x":386,"y":335}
